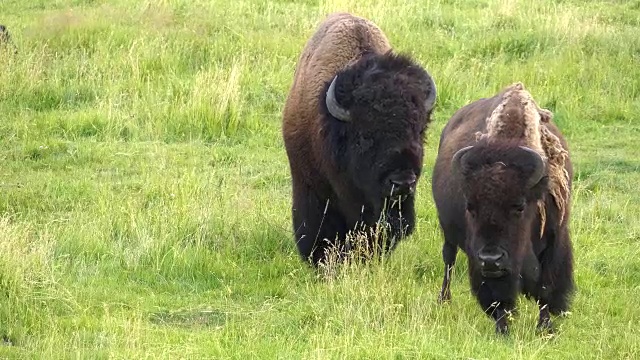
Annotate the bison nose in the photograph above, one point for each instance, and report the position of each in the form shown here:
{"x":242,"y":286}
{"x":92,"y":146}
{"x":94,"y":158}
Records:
{"x":403,"y":185}
{"x":492,"y":257}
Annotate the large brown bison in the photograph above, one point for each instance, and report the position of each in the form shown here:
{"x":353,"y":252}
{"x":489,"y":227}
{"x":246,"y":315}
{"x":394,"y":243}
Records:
{"x":501,"y":184}
{"x":353,"y":127}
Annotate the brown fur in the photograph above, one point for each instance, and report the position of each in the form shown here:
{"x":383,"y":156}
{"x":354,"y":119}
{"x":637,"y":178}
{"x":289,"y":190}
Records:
{"x":518,"y":116}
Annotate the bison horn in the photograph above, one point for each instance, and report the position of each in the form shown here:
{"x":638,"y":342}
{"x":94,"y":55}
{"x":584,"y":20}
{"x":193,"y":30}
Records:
{"x":431,"y":99}
{"x":457,"y":157}
{"x":334,"y":108}
{"x":538,"y":171}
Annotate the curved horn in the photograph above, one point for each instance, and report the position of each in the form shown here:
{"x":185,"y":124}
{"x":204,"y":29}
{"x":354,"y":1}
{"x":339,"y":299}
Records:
{"x":334,"y":108}
{"x":431,"y":98}
{"x":539,"y":169}
{"x":457,"y":157}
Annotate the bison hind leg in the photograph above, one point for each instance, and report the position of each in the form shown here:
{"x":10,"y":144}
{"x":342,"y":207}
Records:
{"x":316,"y":225}
{"x":453,"y":237}
{"x":449,"y":253}
{"x":544,"y":322}
{"x":560,"y":296}
{"x":324,"y":249}
{"x":557,"y":279}
{"x":557,"y":284}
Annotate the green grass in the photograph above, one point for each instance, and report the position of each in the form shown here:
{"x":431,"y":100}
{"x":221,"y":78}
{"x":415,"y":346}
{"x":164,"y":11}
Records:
{"x":145,"y":193}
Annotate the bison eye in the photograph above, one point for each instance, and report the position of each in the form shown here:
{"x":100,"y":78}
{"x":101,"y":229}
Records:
{"x":519,"y":208}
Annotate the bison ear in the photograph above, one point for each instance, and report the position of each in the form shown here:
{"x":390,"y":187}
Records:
{"x":430,"y":102}
{"x":333,"y":106}
{"x":457,"y":162}
{"x":545,"y":115}
{"x":538,"y":190}
{"x":536,"y":164}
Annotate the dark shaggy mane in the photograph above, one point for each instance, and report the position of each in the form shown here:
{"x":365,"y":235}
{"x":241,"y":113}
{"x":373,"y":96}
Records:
{"x":391,"y":83}
{"x":371,"y":64}
{"x":504,"y":151}
{"x":481,"y":162}
{"x":378,"y":76}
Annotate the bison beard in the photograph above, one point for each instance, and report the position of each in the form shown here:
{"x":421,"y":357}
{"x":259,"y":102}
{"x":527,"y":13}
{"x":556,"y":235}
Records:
{"x":353,"y":127}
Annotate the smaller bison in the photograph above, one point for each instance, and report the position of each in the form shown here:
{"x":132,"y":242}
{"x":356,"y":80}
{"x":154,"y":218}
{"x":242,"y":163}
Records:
{"x":501,"y":184}
{"x":353,"y":128}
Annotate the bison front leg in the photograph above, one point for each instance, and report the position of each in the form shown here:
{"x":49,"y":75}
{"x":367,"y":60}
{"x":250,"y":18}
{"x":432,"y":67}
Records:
{"x":499,"y":312}
{"x":501,"y":317}
{"x":496,"y":296}
{"x":544,"y":321}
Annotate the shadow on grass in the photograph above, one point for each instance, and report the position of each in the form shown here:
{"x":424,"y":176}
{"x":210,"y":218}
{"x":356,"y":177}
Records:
{"x":191,"y":318}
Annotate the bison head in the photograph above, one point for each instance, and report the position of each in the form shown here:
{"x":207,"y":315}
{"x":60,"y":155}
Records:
{"x":502,"y":184}
{"x":376,"y":113}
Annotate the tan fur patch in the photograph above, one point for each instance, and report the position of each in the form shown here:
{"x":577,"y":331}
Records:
{"x":518,"y":116}
{"x":543,"y":216}
{"x":558,"y":175}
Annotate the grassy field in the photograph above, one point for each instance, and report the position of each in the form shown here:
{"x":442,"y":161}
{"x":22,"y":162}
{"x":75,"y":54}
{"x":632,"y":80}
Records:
{"x":145,"y":193}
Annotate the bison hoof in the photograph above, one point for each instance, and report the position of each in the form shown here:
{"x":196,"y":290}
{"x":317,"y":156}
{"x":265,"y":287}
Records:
{"x":545,"y":327}
{"x":444,"y":297}
{"x":502,"y":325}
{"x":502,"y":329}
